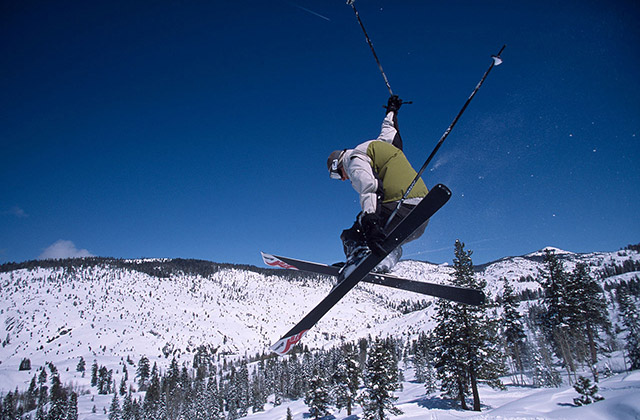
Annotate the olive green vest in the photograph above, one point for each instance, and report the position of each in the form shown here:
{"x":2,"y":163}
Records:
{"x":395,"y":171}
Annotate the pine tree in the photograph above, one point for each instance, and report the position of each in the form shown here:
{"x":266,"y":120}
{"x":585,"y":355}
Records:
{"x":466,"y":344}
{"x":340,"y":390}
{"x":555,"y":319}
{"x":317,"y":396}
{"x":631,"y":320}
{"x":242,"y":386}
{"x":513,"y":328}
{"x":587,"y":310}
{"x":127,"y":407}
{"x":72,"y":408}
{"x":114,"y":409}
{"x":8,"y":405}
{"x":588,"y":393}
{"x":31,"y":395}
{"x":211,"y":398}
{"x":544,"y":374}
{"x":58,"y":399}
{"x":258,"y":391}
{"x":94,"y":373}
{"x":143,"y":372}
{"x":153,"y":394}
{"x":346,"y":380}
{"x":289,"y":415}
{"x":380,"y":380}
{"x":449,"y":354}
{"x":81,"y":366}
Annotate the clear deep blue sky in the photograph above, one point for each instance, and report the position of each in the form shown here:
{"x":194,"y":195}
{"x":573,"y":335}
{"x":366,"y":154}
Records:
{"x":200,"y":129}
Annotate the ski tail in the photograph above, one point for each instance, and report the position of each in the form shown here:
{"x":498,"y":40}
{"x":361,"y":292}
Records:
{"x":284,"y":345}
{"x":273,"y":261}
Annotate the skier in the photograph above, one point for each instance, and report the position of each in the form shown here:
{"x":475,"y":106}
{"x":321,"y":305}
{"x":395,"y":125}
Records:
{"x":380,"y":173}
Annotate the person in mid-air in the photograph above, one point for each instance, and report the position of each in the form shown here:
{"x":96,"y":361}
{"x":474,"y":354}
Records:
{"x":380,"y":173}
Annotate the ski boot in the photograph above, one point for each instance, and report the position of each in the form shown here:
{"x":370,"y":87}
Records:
{"x":355,"y":251}
{"x":389,"y":262}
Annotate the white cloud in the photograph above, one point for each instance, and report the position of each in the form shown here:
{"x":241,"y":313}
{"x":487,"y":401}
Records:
{"x":63,"y":249}
{"x":16,"y":211}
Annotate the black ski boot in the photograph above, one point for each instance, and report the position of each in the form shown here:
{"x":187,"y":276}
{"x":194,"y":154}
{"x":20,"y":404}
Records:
{"x":355,"y":251}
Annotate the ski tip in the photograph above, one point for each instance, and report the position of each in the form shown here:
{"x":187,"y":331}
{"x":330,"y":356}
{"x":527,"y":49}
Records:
{"x":473,"y":297}
{"x":443,"y":188}
{"x":482,"y":298}
{"x":285,"y":344}
{"x":274,"y":261}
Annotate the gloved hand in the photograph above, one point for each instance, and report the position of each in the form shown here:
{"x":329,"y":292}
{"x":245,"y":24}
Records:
{"x":394,"y":103}
{"x":373,"y":233}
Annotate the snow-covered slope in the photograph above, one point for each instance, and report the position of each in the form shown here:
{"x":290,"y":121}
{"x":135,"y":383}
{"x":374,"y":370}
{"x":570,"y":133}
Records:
{"x":110,"y":312}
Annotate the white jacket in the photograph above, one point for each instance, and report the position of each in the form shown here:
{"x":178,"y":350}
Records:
{"x":357,"y":165}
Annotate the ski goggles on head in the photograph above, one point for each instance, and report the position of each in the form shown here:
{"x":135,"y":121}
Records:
{"x":334,"y":171}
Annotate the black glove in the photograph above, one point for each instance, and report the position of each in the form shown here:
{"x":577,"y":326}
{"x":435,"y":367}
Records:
{"x":394,"y":103}
{"x":373,"y":233}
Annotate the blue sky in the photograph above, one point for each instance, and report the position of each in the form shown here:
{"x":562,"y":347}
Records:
{"x":201,"y":129}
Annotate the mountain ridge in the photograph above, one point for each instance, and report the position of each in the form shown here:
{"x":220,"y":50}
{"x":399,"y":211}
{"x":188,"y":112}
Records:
{"x":110,"y":309}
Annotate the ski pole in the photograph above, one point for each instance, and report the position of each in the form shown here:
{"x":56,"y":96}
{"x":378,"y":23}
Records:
{"x":496,"y":62}
{"x":384,"y":76}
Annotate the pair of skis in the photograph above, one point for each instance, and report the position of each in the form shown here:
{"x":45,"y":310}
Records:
{"x":430,"y":204}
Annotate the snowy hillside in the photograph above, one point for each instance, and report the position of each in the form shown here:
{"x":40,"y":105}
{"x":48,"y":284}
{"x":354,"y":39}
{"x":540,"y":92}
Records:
{"x":114,"y":311}
{"x":103,"y":310}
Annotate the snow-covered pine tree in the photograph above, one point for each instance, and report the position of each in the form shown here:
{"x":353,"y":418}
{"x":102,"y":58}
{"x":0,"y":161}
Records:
{"x":127,"y":407}
{"x":588,"y":393}
{"x":242,"y":386}
{"x":258,"y":390}
{"x":513,"y":328}
{"x":317,"y":396}
{"x":449,"y":354}
{"x":467,"y":349}
{"x":58,"y":409}
{"x":94,"y":373}
{"x":555,"y":326}
{"x":631,"y":320}
{"x":153,"y":394}
{"x":143,"y":372}
{"x":340,"y":388}
{"x":81,"y":366}
{"x":30,"y":398}
{"x":422,"y":356}
{"x":212,"y":399}
{"x":346,"y":378}
{"x":114,"y":409}
{"x":72,"y":407}
{"x":587,"y":311}
{"x":380,"y":380}
{"x":8,"y":406}
{"x":544,"y":373}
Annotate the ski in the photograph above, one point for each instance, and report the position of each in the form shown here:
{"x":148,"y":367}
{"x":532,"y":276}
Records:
{"x":430,"y":204}
{"x":452,"y":293}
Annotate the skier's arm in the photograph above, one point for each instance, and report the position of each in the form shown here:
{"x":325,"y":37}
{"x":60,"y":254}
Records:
{"x":363,"y":181}
{"x":390,"y":132}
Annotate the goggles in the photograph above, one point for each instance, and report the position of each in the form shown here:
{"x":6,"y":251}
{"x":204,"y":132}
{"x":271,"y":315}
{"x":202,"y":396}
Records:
{"x":334,"y":171}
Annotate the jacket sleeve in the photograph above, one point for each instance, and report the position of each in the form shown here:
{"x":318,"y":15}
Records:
{"x":363,"y":180}
{"x":390,"y":132}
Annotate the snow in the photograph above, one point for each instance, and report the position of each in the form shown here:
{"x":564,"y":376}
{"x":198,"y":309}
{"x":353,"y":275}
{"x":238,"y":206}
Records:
{"x":517,"y":403}
{"x":109,"y":314}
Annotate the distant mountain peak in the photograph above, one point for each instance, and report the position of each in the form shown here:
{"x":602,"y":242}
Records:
{"x":544,"y":250}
